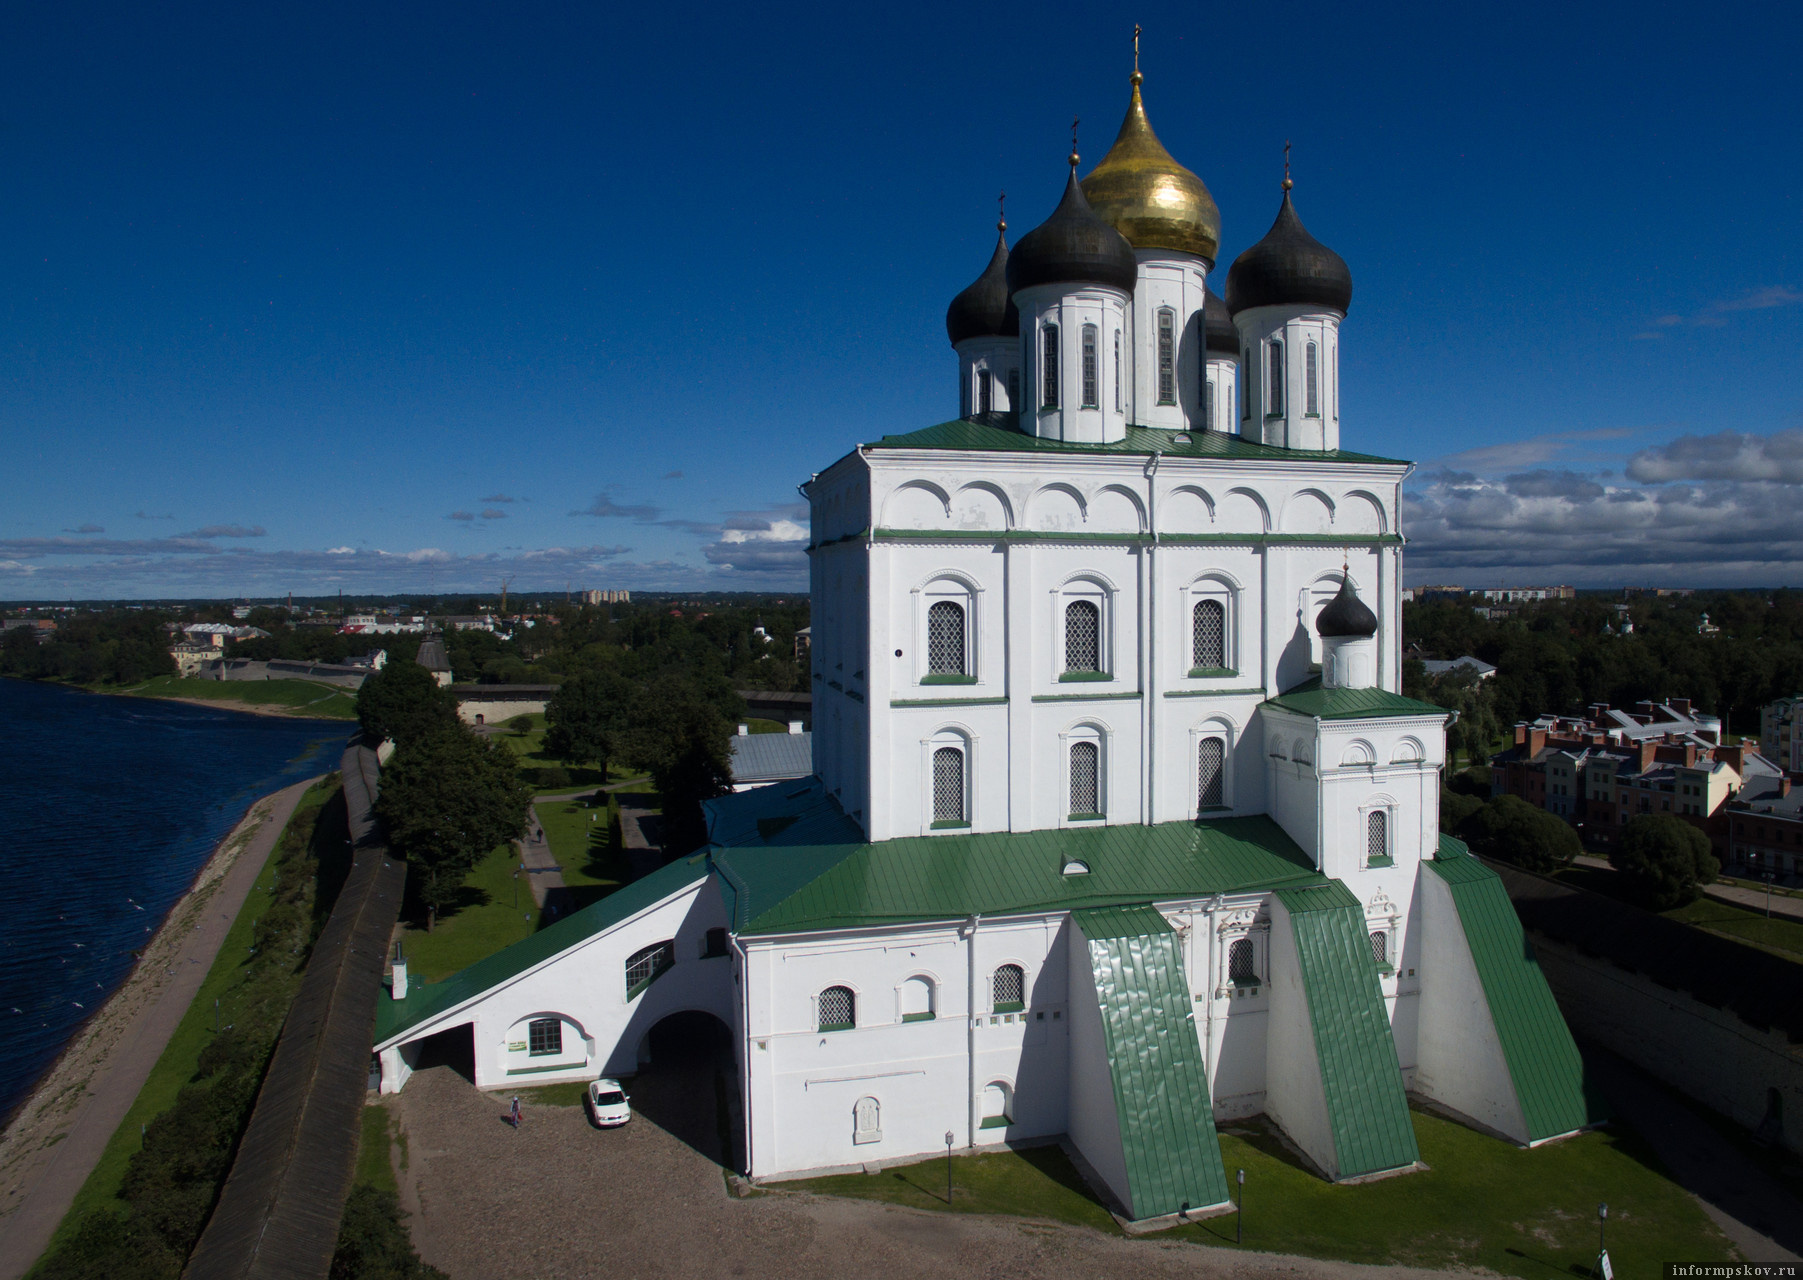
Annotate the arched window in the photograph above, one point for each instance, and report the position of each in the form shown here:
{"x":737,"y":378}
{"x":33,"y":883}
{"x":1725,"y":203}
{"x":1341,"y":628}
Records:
{"x":1380,"y":947}
{"x":1312,"y":375}
{"x":1086,"y":782}
{"x":1208,"y":636}
{"x":1211,"y":774}
{"x":1242,"y":968}
{"x":1014,"y":389}
{"x":985,"y":392}
{"x":867,"y":1121}
{"x":1090,"y":390}
{"x":1082,"y":636}
{"x":1377,"y":836}
{"x":838,"y":1009}
{"x":948,"y":785}
{"x":946,"y":652}
{"x":1167,"y":356}
{"x":1274,"y":403}
{"x":1208,"y":404}
{"x":644,"y":965}
{"x":1008,"y":989}
{"x":544,"y":1037}
{"x":917,"y":999}
{"x":1117,"y":370}
{"x":1048,"y":366}
{"x":998,"y":1105}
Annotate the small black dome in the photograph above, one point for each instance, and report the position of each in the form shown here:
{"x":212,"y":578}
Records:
{"x":1289,"y":267}
{"x":1073,"y":246}
{"x":1219,"y":335}
{"x":1346,"y":615}
{"x":984,"y":309}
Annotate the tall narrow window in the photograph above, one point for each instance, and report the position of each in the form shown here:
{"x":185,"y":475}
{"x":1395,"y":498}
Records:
{"x":1014,"y":389}
{"x":985,"y":392}
{"x":1211,"y":774}
{"x":948,"y":785}
{"x":1048,"y":365}
{"x":1245,"y":386}
{"x":838,"y":1009}
{"x":1117,"y":370}
{"x":945,"y":639}
{"x":1380,"y":947}
{"x":1082,"y":636}
{"x":1312,"y":378}
{"x":1377,"y":835}
{"x":1208,"y":404}
{"x":1008,"y":989}
{"x":1274,"y":385}
{"x":1086,"y":791}
{"x":1090,"y":400}
{"x":1242,"y":969}
{"x":1208,"y":635}
{"x":1167,"y":356}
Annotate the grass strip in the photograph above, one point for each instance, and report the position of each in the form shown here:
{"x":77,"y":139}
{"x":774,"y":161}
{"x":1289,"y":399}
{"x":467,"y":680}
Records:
{"x":298,"y":697}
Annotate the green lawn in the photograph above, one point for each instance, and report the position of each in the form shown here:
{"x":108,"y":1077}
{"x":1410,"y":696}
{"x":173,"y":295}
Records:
{"x":757,"y":725}
{"x":1746,"y":924}
{"x":1481,"y":1203}
{"x":483,"y":921}
{"x":525,"y":737}
{"x":297,"y":697}
{"x":585,"y":840}
{"x":374,"y":1168}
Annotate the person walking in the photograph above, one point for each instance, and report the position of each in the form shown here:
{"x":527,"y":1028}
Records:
{"x":515,"y":1113}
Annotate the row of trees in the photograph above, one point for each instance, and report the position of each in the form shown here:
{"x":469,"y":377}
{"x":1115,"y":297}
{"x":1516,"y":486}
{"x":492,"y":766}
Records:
{"x":121,"y":647}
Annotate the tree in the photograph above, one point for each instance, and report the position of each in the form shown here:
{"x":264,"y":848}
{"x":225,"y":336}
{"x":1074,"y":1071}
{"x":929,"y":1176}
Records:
{"x":447,"y":799}
{"x":1665,"y":860}
{"x":588,"y":719}
{"x":681,"y":737}
{"x":1510,"y":828}
{"x":1456,"y":809}
{"x":403,"y":701}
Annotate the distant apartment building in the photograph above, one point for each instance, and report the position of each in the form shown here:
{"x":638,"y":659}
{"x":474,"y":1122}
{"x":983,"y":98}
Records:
{"x":1781,"y":733}
{"x":381,"y":624}
{"x":1765,"y":831}
{"x":1524,"y":595}
{"x":41,"y":628}
{"x":606,"y":597}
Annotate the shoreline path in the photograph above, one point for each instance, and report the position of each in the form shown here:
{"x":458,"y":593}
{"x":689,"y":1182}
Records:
{"x":123,"y":1041}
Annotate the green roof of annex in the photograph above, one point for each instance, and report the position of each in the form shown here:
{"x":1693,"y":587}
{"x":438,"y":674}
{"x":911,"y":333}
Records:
{"x":998,"y":434}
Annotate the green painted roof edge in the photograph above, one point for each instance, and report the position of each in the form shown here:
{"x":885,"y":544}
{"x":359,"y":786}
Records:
{"x":1161,"y":1096}
{"x":428,"y":1000}
{"x":1310,"y":699}
{"x":1555,"y":1092}
{"x":1451,"y":847}
{"x":1361,"y":1076}
{"x":963,"y":433}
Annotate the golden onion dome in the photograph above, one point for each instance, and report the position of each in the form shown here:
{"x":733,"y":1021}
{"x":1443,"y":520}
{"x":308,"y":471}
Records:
{"x":1150,"y":198}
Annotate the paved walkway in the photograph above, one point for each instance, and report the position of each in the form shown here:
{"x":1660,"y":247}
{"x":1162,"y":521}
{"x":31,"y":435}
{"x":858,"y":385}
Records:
{"x":1789,"y":908}
{"x":121,"y":1050}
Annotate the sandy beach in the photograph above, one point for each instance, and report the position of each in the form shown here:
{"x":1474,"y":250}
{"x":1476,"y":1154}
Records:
{"x":252,"y":708}
{"x":55,"y":1138}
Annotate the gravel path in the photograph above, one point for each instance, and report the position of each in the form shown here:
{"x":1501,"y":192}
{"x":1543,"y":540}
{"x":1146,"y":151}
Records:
{"x":560,"y":1200}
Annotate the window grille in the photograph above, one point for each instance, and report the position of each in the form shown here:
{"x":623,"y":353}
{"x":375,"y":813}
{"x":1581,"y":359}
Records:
{"x":544,"y":1037}
{"x":1048,"y":365}
{"x":948,"y":785}
{"x":838,"y":1009}
{"x":1167,"y":356}
{"x":1275,"y":404}
{"x":1313,"y":378}
{"x":1208,"y":635}
{"x":945,"y":639}
{"x":1090,"y":399}
{"x":1082,"y":636}
{"x":1240,"y":967}
{"x":1377,"y":832}
{"x":1380,"y":947}
{"x":646,"y":964}
{"x":1211,"y":783}
{"x":1008,"y":988}
{"x":1014,"y":389}
{"x":1117,"y":370}
{"x":986,"y":392}
{"x":1085,"y":781}
{"x":867,"y":1121}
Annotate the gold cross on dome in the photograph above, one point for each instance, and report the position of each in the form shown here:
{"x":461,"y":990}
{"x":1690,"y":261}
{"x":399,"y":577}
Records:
{"x":1136,"y":31}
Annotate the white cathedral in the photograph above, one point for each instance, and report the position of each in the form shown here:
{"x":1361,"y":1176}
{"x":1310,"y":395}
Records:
{"x":1119,"y":825}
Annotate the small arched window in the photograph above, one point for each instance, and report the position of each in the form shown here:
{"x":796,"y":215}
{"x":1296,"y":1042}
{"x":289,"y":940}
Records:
{"x":985,"y":392}
{"x":1380,"y":947}
{"x":1377,"y":836}
{"x":867,"y":1121}
{"x":1242,"y":968}
{"x":1211,"y":774}
{"x":1117,"y":370}
{"x":1090,"y":378}
{"x":998,"y":1105}
{"x":1008,"y":989}
{"x":946,"y":652}
{"x":1208,"y":636}
{"x":1274,"y":384}
{"x":1167,"y":356}
{"x":544,"y":1037}
{"x":1208,"y":404}
{"x":948,"y":785}
{"x":838,"y":1009}
{"x":917,"y":999}
{"x":1312,"y":376}
{"x":1082,"y":636}
{"x":1086,"y":782}
{"x":1048,"y":366}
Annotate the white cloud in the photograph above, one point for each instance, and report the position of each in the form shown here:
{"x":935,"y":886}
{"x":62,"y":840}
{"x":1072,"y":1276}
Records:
{"x":1728,"y":455}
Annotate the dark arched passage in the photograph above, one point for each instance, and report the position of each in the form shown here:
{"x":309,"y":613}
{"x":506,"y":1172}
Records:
{"x":688,"y":1084}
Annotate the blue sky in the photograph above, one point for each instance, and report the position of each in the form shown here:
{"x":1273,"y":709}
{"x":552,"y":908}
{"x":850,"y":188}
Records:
{"x":410,"y":297}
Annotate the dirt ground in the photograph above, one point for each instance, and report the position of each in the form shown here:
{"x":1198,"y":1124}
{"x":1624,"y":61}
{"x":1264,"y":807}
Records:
{"x":561,"y":1200}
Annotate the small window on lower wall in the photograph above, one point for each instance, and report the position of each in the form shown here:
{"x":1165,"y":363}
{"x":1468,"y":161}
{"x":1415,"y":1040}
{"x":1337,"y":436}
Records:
{"x":544,"y":1037}
{"x":1380,"y":949}
{"x":998,"y":1105}
{"x":838,"y":1009}
{"x":917,"y":1000}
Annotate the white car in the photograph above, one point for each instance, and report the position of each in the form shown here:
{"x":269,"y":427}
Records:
{"x":607,"y":1103}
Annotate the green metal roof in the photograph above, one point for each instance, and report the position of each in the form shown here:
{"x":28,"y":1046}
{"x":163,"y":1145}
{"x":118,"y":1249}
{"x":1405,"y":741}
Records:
{"x":425,"y":1001}
{"x":1452,"y":847}
{"x":1548,"y":1074}
{"x":1161,"y":1095}
{"x":785,"y":885}
{"x":1005,"y":437}
{"x":1310,"y":699}
{"x":1360,"y":1074}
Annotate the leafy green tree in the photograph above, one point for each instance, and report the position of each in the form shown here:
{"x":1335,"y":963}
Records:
{"x":1456,"y":809}
{"x":1510,"y":828}
{"x":1665,"y":860}
{"x":373,"y":1243}
{"x":588,"y":719}
{"x":681,"y":737}
{"x":403,"y":702}
{"x":447,"y":799}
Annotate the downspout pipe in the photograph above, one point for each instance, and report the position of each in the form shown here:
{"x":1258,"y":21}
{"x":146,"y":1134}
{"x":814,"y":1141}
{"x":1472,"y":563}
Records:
{"x":970,"y":1030}
{"x":1148,"y":647}
{"x":743,"y":962}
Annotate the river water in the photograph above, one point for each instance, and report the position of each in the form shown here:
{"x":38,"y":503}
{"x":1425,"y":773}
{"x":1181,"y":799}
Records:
{"x":110,"y":807}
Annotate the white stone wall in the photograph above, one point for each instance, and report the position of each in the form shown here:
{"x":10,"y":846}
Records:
{"x":1070,"y":308}
{"x":988,"y":365}
{"x":1289,"y":424}
{"x":1294,"y":1095}
{"x":1223,"y":395}
{"x":1176,"y":282}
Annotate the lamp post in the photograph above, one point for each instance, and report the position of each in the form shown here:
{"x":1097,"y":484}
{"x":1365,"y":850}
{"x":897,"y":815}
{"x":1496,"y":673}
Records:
{"x":516,"y":887}
{"x":1239,"y":1217}
{"x":1603,"y":1269}
{"x":948,"y":1166}
{"x":1768,"y":895}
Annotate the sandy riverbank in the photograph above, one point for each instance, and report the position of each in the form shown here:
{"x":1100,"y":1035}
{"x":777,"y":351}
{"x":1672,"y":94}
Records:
{"x":97,"y":1077}
{"x":253,"y":708}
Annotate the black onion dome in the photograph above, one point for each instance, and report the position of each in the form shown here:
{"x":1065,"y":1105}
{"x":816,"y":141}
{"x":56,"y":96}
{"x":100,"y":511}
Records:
{"x":1219,"y":335}
{"x":1289,"y":267}
{"x":1346,"y":615}
{"x":1073,"y":246}
{"x":985,"y":309}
